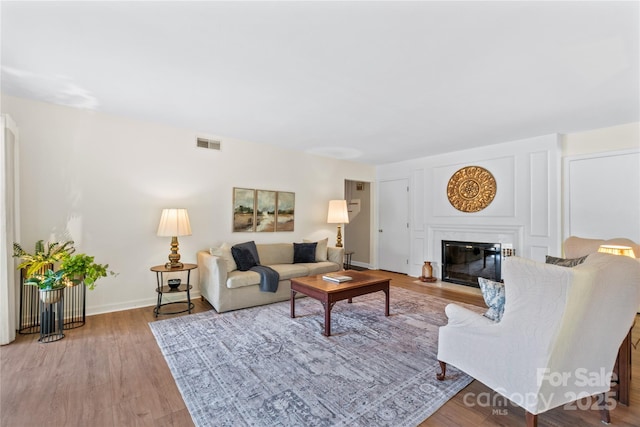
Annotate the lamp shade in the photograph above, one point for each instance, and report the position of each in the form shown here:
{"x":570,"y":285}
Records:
{"x":338,"y":213}
{"x":174,"y":222}
{"x":617,"y":250}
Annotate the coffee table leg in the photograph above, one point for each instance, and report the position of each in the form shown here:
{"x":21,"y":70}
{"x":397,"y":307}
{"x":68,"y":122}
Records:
{"x":327,"y":318}
{"x":293,"y":303}
{"x":386,"y":302}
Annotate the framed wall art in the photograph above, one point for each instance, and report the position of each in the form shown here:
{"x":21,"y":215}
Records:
{"x":265,"y":210}
{"x":286,"y":211}
{"x":243,"y":209}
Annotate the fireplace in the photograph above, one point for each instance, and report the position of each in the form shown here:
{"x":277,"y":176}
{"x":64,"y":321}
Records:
{"x":464,"y":262}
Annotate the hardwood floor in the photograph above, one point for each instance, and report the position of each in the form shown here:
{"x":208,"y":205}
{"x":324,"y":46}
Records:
{"x":111,"y":373}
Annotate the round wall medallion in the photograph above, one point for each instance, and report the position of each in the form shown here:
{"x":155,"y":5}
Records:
{"x":471,"y":189}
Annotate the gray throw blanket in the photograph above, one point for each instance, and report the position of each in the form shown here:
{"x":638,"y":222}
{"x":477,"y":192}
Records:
{"x":269,"y":278}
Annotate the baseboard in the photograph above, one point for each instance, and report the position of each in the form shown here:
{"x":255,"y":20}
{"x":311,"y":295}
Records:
{"x":362,"y":265}
{"x":129,"y":305}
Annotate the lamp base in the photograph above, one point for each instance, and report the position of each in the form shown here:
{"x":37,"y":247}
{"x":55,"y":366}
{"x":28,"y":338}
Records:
{"x":174,"y":265}
{"x":339,"y":239}
{"x":174,"y":256}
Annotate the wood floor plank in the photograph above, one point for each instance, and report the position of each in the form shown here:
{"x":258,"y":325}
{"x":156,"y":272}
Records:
{"x":111,"y":372}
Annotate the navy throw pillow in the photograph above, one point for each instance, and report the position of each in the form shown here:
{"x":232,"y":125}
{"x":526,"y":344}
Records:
{"x":304,"y":252}
{"x":245,"y":255}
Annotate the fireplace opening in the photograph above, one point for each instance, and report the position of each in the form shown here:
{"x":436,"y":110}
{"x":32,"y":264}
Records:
{"x":464,"y":262}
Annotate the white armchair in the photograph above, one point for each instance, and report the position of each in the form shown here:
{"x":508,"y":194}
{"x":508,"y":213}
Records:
{"x":560,"y":325}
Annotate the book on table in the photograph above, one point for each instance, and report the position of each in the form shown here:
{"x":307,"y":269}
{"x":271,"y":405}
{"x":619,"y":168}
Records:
{"x":336,"y":278}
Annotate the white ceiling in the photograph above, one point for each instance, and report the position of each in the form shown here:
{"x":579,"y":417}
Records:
{"x":375,"y":82}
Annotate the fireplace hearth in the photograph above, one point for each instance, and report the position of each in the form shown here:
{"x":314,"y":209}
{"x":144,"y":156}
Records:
{"x":464,"y":262}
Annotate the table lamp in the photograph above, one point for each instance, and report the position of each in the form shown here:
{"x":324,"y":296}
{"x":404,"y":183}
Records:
{"x":338,"y":214}
{"x":617,"y":250}
{"x":174,"y":223}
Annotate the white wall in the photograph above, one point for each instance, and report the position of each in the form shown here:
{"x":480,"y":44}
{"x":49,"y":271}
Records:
{"x":612,"y":138}
{"x":601,"y":187}
{"x":103,"y":180}
{"x":525,"y":211}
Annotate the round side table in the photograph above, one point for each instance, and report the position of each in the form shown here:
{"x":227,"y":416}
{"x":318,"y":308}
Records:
{"x":163,"y":289}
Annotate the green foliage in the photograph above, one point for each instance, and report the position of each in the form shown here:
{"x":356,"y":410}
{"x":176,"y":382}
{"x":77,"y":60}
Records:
{"x":42,"y":259}
{"x":49,"y":280}
{"x":81,"y":267}
{"x":74,"y":269}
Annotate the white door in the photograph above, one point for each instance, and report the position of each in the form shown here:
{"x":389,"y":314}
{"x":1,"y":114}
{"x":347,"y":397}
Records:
{"x":393,"y":230}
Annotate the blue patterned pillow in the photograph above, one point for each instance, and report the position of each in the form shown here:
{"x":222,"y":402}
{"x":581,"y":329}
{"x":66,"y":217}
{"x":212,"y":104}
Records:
{"x":493,"y":294}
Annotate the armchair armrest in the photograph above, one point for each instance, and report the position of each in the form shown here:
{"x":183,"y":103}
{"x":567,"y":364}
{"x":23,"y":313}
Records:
{"x":460,"y":316}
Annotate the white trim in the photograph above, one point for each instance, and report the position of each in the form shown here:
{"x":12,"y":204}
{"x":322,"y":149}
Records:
{"x":566,"y":179}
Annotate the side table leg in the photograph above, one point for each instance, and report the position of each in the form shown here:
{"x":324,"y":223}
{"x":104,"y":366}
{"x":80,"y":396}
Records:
{"x":159,"y":282}
{"x":624,"y":370}
{"x":158,"y":303}
{"x":293,"y":304}
{"x":189,"y":290}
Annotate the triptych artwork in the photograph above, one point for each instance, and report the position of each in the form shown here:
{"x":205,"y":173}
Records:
{"x":263,"y":210}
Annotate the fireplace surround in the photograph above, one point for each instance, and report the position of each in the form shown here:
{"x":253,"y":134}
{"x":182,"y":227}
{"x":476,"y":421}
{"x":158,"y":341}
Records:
{"x":463,"y":262}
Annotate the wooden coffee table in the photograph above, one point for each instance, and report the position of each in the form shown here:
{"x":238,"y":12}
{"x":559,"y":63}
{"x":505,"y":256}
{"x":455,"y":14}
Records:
{"x":328,"y":293}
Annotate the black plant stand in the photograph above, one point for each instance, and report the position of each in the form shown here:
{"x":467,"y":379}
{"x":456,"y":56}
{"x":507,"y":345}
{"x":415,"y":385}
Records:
{"x":74,"y":307}
{"x":51,"y":317}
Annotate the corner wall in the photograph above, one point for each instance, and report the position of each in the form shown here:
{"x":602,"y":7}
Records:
{"x":103,"y":181}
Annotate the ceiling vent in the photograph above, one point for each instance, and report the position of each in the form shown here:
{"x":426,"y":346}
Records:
{"x":208,"y":143}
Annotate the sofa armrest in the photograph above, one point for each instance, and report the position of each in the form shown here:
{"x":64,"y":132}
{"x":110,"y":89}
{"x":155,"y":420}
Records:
{"x":335,"y":255}
{"x":212,"y":276}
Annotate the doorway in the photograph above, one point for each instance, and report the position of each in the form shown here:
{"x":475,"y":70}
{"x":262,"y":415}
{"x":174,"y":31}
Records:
{"x":393,"y":230}
{"x":357,"y":233}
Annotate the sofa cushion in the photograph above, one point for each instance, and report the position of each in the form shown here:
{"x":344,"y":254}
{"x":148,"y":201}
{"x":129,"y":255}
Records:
{"x":565,"y":262}
{"x":321,"y":267}
{"x":290,"y":271}
{"x":304,"y":252}
{"x":321,"y":248}
{"x":240,"y":279}
{"x":224,"y":252}
{"x":245,"y":255}
{"x":275,"y":253}
{"x":494,"y":296}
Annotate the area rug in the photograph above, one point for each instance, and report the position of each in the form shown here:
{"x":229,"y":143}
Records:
{"x":259,"y":367}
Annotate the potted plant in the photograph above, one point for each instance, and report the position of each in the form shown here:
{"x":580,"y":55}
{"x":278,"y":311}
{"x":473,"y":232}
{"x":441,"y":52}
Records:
{"x":39,"y":268}
{"x":41,"y":259}
{"x":82,"y":268}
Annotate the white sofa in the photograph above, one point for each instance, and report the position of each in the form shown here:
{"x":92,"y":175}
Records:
{"x":231,"y":290}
